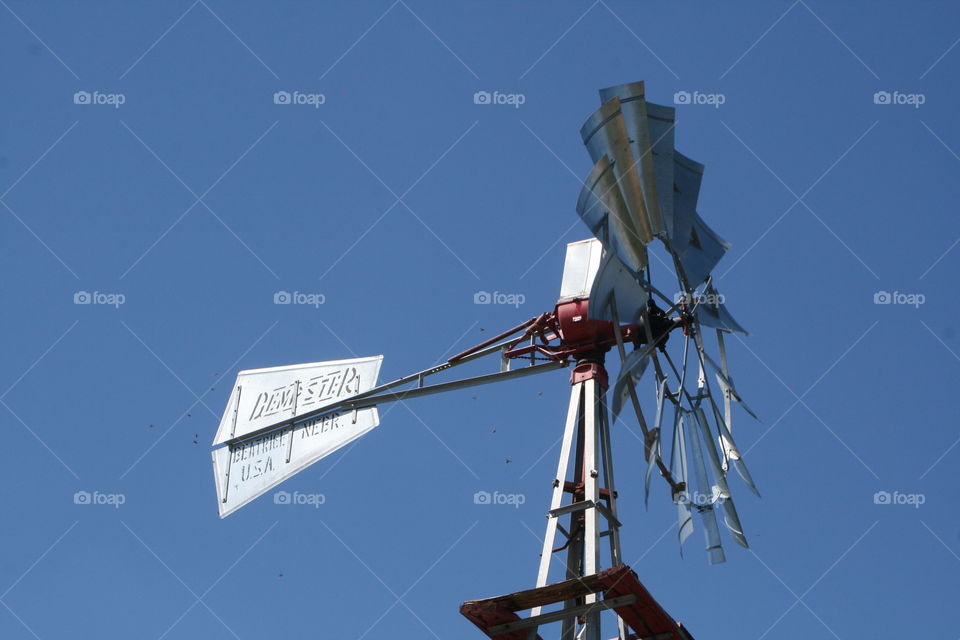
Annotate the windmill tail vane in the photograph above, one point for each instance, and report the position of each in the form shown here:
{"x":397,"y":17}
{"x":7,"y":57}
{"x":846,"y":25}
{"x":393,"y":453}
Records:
{"x":640,"y":190}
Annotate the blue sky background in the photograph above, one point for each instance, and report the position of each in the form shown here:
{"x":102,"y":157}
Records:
{"x":827,"y":197}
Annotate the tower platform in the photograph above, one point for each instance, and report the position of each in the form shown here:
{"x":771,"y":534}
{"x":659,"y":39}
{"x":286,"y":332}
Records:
{"x":622,"y":592}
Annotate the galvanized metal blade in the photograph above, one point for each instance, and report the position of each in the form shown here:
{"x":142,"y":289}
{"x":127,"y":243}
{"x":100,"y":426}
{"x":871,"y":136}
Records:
{"x":631,"y":371}
{"x":605,"y":133}
{"x":613,"y":281}
{"x":653,"y":449}
{"x":713,"y":313}
{"x":678,"y":467}
{"x":703,"y":251}
{"x":722,"y":490}
{"x":726,"y":384}
{"x":732,"y":453}
{"x":662,"y":121}
{"x":647,"y":137}
{"x":703,"y":500}
{"x":687,"y":176}
{"x":602,"y":209}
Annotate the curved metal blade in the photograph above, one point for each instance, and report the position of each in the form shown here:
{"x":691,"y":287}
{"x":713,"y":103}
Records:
{"x":662,"y":121}
{"x":725,"y":500}
{"x":678,"y":467}
{"x":721,"y":490}
{"x":614,"y":281}
{"x":605,"y":133}
{"x":732,"y":453}
{"x":653,"y":447}
{"x":703,"y":251}
{"x":707,"y":514}
{"x":650,"y":128}
{"x":687,"y":176}
{"x":713,"y":313}
{"x":603,"y":210}
{"x":630,"y":374}
{"x":726,"y":384}
{"x":732,"y":520}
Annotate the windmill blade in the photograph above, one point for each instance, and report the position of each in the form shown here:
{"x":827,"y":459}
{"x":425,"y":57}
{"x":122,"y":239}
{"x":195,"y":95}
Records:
{"x":725,"y":500}
{"x":726,"y":384}
{"x":662,"y":121}
{"x":650,"y":128}
{"x":602,"y":209}
{"x":614,"y":282}
{"x":605,"y":133}
{"x":696,"y":246}
{"x":703,"y":251}
{"x":631,"y":371}
{"x":727,"y":399}
{"x":732,"y":453}
{"x":687,"y":176}
{"x":713,"y":313}
{"x":730,"y":450}
{"x":653,"y":450}
{"x":704,"y":506}
{"x":719,"y":488}
{"x":678,"y":468}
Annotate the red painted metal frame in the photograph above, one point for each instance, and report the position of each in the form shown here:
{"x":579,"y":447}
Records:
{"x":564,"y":334}
{"x":645,"y":617}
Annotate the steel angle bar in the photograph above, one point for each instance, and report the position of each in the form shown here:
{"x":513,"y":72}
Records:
{"x":582,"y":506}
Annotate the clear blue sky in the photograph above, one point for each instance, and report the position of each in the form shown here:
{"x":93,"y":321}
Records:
{"x":827,"y":197}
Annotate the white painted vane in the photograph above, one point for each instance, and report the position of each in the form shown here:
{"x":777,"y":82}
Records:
{"x":262,"y":398}
{"x":256,"y":458}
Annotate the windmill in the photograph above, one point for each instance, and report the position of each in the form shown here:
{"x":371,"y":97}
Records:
{"x":280,"y":420}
